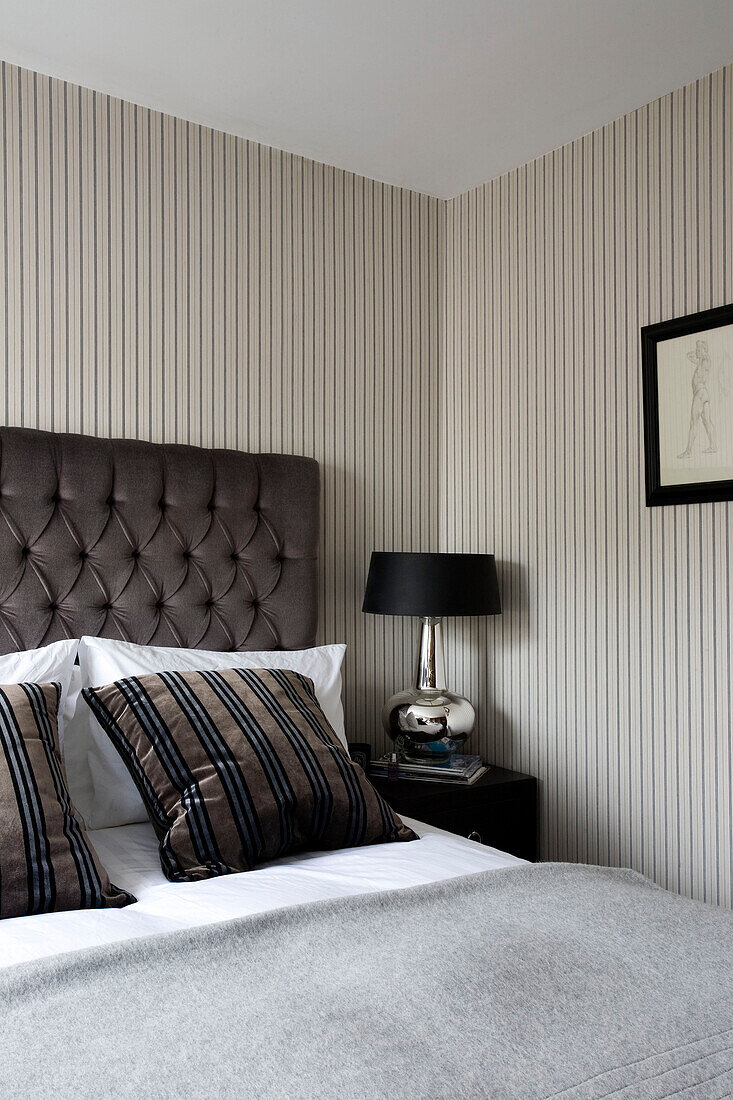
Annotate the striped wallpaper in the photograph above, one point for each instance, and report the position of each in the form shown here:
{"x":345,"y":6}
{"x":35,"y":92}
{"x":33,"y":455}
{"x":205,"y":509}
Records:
{"x":466,"y":373}
{"x":609,"y":674}
{"x":164,"y":281}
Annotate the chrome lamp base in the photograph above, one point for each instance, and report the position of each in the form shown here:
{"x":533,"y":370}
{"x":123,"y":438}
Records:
{"x":428,"y":721}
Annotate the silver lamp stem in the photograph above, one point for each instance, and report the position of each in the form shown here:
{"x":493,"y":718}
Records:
{"x":429,"y":722}
{"x":430,"y":665}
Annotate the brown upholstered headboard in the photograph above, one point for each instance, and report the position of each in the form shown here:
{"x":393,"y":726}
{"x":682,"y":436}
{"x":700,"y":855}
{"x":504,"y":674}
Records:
{"x":155,"y":543}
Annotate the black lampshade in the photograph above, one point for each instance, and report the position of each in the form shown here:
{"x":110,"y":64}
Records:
{"x":432,"y":584}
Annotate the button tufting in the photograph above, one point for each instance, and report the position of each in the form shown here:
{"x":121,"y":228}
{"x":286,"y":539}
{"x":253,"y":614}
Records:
{"x":134,"y":570}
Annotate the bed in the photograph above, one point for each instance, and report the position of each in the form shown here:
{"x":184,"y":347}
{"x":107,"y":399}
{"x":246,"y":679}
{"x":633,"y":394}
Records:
{"x":438,"y":968}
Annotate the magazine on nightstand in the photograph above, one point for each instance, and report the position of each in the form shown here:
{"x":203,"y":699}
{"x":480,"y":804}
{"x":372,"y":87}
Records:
{"x":455,"y":769}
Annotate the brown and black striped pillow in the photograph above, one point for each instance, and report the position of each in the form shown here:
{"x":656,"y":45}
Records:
{"x":238,"y":767}
{"x":46,"y":860}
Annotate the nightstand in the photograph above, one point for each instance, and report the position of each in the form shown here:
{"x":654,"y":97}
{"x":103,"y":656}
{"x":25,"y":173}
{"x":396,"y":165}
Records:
{"x":500,"y":808}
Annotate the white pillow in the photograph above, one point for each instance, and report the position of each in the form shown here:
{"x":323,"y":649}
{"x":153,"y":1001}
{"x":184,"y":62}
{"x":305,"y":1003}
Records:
{"x":52,"y":663}
{"x":76,"y":749}
{"x":116,"y":800}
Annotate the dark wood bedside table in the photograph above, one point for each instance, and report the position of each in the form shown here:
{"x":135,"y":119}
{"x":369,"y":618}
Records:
{"x":501,"y":807}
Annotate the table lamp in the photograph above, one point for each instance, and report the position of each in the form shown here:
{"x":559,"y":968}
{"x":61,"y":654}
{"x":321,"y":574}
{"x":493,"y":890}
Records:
{"x":429,"y":720}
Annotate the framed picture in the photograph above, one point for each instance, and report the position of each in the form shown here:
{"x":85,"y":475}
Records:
{"x":687,"y":372}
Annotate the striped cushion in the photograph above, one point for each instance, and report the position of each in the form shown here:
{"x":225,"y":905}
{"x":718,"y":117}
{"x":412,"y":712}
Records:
{"x":46,"y":860}
{"x":238,"y":767}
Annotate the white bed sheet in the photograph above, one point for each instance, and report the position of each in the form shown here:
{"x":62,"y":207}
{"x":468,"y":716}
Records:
{"x":130,"y":855}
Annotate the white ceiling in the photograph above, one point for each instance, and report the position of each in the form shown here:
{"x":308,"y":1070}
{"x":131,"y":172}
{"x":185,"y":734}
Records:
{"x":434,"y":95}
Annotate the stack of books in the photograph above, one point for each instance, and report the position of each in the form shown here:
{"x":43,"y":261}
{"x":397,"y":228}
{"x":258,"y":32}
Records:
{"x":455,"y":769}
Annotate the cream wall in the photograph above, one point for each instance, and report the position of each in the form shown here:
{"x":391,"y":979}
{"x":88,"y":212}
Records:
{"x":467,"y":374}
{"x":609,"y":674}
{"x":166,"y":281}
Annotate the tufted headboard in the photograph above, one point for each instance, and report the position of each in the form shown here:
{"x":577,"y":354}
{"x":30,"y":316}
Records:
{"x":155,"y":543}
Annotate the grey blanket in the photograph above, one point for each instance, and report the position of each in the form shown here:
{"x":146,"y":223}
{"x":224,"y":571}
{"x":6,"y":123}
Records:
{"x":529,"y":982}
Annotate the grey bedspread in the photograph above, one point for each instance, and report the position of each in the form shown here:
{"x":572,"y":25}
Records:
{"x":529,"y":982}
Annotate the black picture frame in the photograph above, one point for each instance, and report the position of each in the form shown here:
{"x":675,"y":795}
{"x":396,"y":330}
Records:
{"x":651,"y":336}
